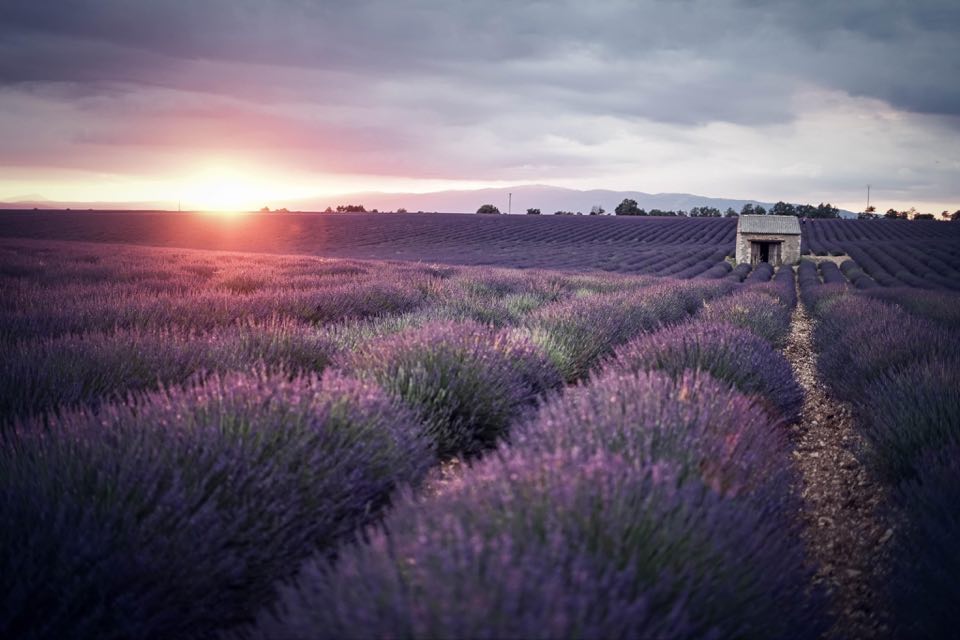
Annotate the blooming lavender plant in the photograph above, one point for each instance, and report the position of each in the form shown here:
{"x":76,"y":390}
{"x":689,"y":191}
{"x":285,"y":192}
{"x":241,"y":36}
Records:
{"x":466,"y":382}
{"x":578,"y":333}
{"x":90,"y":368}
{"x":860,"y":339}
{"x":908,"y":411}
{"x":174,"y":515}
{"x":942,"y":307}
{"x":753,"y":310}
{"x":923,"y":585}
{"x":728,"y":353}
{"x":568,"y":544}
{"x":703,"y":427}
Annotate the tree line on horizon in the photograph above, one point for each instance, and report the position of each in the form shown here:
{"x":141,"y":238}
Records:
{"x":870,"y":213}
{"x":629,"y":207}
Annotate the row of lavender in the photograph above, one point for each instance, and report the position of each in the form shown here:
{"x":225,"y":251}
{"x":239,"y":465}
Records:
{"x":895,"y":355}
{"x":614,"y":243}
{"x":166,"y":494}
{"x":893,"y":253}
{"x":653,"y":499}
{"x":78,"y":323}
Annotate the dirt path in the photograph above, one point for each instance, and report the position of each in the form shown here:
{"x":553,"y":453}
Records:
{"x":844,"y":532}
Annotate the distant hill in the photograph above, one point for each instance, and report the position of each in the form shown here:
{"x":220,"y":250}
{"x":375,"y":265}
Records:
{"x":544,"y":197}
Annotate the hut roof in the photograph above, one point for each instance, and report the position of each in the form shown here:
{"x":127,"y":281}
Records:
{"x":776,"y":225}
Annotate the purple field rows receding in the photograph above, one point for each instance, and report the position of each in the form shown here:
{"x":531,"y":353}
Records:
{"x":664,"y":246}
{"x":894,"y":253}
{"x":922,"y":254}
{"x":181,"y":430}
{"x":193,"y":437}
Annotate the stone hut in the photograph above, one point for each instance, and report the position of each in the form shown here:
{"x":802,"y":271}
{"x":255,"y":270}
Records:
{"x":773,"y":239}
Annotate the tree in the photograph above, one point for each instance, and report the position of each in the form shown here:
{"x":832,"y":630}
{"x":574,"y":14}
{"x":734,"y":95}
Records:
{"x":351,"y":208}
{"x":731,"y":213}
{"x":564,"y":213}
{"x":747,"y":210}
{"x":783,"y":209}
{"x":705,"y":212}
{"x":401,"y":210}
{"x":806,"y":211}
{"x":533,"y":212}
{"x":759,"y":210}
{"x":827,"y":211}
{"x":597,"y":210}
{"x":891,"y":214}
{"x":923,"y":216}
{"x":488,"y":208}
{"x":628,"y":208}
{"x":956,"y":216}
{"x":264,"y":209}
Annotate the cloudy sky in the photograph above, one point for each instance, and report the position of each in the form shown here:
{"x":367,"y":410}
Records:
{"x":250,"y":101}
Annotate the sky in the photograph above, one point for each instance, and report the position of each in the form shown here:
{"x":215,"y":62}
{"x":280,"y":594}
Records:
{"x":243,"y":103}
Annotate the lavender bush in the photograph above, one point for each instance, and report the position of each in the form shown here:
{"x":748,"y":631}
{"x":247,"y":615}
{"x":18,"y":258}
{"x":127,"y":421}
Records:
{"x":753,"y":310}
{"x":701,"y":426}
{"x":740,"y":272}
{"x":555,"y":546}
{"x":71,"y":370}
{"x":362,"y":301}
{"x":831,"y":273}
{"x":815,"y":293}
{"x":718,"y":270}
{"x":782,"y":286}
{"x":762,"y":273}
{"x":926,"y":563}
{"x":578,"y":333}
{"x":859,"y":339}
{"x":465,"y":381}
{"x":908,"y":411}
{"x":940,"y":306}
{"x":175,"y":514}
{"x":728,"y":353}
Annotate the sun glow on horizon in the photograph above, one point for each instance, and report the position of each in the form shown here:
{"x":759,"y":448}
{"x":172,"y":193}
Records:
{"x":225,"y":189}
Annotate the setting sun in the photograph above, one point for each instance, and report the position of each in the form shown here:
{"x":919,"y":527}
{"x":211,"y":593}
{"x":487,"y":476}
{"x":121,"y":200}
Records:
{"x":225,"y":189}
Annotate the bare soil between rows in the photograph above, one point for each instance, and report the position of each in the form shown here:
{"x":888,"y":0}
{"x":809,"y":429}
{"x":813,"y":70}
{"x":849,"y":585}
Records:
{"x":845,"y":531}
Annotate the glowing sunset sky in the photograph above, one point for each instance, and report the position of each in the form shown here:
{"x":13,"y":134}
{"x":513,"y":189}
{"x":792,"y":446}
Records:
{"x":248,"y":103}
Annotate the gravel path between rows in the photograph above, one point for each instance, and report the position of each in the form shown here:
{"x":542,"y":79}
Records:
{"x":845,"y":532}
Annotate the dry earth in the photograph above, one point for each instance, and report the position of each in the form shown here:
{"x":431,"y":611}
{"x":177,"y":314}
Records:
{"x":844,"y":528}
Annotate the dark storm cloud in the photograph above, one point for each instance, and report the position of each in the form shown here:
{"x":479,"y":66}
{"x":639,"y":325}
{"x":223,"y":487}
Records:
{"x":691,"y":61}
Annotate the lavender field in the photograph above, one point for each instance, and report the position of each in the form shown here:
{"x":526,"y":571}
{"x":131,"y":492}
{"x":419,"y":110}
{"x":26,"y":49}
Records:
{"x":661,"y":246}
{"x":227,"y":435}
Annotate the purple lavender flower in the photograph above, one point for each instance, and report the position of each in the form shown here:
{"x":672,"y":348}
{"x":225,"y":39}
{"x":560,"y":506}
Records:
{"x":174,"y":515}
{"x":728,"y":353}
{"x":467,"y":382}
{"x":566,"y":544}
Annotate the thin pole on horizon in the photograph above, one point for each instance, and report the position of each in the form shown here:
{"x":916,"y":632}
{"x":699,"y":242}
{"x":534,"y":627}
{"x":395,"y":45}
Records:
{"x":868,"y":196}
{"x":510,"y":203}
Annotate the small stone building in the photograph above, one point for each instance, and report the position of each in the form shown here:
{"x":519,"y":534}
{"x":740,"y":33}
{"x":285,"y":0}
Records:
{"x":773,"y":239}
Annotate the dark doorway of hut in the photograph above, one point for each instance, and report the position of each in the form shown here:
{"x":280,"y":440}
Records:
{"x":764,"y":252}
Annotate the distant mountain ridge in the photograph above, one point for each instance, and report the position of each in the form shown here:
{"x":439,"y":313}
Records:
{"x":544,"y":197}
